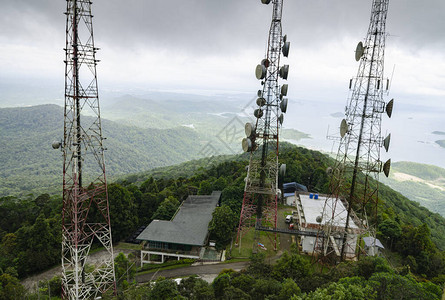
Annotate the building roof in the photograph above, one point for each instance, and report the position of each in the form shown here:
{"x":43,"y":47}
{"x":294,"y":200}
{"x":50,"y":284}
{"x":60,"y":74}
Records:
{"x":189,"y":226}
{"x":372,"y":241}
{"x":312,"y":208}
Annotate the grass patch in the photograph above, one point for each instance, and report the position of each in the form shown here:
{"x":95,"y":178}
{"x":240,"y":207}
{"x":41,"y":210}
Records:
{"x":161,"y":268}
{"x":245,"y":247}
{"x":127,"y":246}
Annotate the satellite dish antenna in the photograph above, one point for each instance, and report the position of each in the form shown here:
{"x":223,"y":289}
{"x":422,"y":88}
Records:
{"x":319,"y":219}
{"x":247,"y":144}
{"x":259,"y":93}
{"x":343,"y":128}
{"x":284,"y":71}
{"x":329,"y":170}
{"x":285,"y":49}
{"x":389,"y":107}
{"x":56,"y":144}
{"x":285,"y":38}
{"x":265,"y":62}
{"x":249,"y":129}
{"x":386,"y":142}
{"x":258,"y":113}
{"x":260,"y":72}
{"x":282,"y":170}
{"x":284,"y":88}
{"x":387,"y":167}
{"x":281,"y":119}
{"x":261,"y":101}
{"x":265,"y":1}
{"x":283,"y":105}
{"x":359,"y":51}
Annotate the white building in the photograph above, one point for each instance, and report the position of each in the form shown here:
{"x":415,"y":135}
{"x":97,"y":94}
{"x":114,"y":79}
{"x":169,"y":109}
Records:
{"x":311,"y":218}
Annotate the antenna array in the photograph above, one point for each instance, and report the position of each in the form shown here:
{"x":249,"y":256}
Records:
{"x":261,"y":189}
{"x":358,"y":156}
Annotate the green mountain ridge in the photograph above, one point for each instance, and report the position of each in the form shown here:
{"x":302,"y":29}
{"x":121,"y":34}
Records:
{"x":421,"y":183}
{"x":28,"y":163}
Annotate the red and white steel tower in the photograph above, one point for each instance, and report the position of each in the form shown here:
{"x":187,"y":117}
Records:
{"x":358,"y":158}
{"x":85,"y":215}
{"x":261,"y":190}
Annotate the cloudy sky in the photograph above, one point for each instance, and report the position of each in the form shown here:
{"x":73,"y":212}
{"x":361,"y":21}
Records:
{"x":216,"y":44}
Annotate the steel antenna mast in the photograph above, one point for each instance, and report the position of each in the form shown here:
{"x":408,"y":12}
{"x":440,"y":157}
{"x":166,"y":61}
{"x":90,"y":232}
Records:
{"x":346,"y":211}
{"x":261,"y":189}
{"x":85,"y":215}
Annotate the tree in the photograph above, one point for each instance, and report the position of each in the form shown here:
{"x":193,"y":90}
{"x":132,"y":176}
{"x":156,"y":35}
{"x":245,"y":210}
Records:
{"x":10,"y":287}
{"x":166,"y":209}
{"x":164,"y":289}
{"x":292,"y":266}
{"x":123,"y":214}
{"x":289,"y":288}
{"x":222,"y":224}
{"x":124,"y":270}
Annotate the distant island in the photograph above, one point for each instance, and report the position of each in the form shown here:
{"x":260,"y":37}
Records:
{"x":441,"y":143}
{"x":337,"y":115}
{"x":293,"y":134}
{"x":438,"y":132}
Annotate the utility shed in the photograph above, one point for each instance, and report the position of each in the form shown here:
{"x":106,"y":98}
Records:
{"x":184,"y":235}
{"x":372,"y":245}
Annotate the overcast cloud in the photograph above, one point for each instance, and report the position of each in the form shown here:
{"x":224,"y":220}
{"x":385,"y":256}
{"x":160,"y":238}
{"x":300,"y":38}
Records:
{"x":216,"y":44}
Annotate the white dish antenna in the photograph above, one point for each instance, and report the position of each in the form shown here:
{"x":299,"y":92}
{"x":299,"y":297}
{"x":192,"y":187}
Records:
{"x":261,"y":101}
{"x":343,"y":128}
{"x":260,"y":72}
{"x":386,"y":142}
{"x":284,"y":88}
{"x":249,"y":129}
{"x":283,"y":105}
{"x":284,"y":71}
{"x":359,"y":51}
{"x":389,"y":108}
{"x":285,"y":49}
{"x":247,"y":144}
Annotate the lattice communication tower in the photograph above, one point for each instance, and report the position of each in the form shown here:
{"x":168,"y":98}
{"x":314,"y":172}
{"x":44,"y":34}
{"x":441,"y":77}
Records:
{"x":350,"y":212}
{"x":261,"y":190}
{"x":85,"y":215}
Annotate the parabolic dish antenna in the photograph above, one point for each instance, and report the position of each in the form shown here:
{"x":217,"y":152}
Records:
{"x":265,"y":1}
{"x":247,"y":144}
{"x":284,"y":71}
{"x":386,"y":142}
{"x":283,"y":105}
{"x":265,"y":62}
{"x":259,"y":93}
{"x":343,"y":128}
{"x":284,"y":88}
{"x":258,"y":113}
{"x":285,"y":38}
{"x":249,"y":129}
{"x":56,"y":144}
{"x":286,"y":47}
{"x":281,"y":119}
{"x":359,"y":51}
{"x":387,"y":167}
{"x":389,"y":107}
{"x":261,"y":101}
{"x":260,"y":72}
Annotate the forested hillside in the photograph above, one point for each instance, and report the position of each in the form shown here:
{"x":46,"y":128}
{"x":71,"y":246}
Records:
{"x":29,"y":164}
{"x":422,"y":183}
{"x":29,"y":225}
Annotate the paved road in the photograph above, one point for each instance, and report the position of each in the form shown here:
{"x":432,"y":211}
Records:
{"x":200,"y":269}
